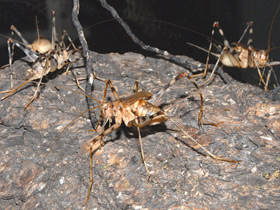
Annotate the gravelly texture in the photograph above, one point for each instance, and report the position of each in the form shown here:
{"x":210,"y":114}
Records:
{"x":181,"y":177}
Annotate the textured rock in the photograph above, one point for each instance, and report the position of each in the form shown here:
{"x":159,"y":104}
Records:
{"x":182,"y":178}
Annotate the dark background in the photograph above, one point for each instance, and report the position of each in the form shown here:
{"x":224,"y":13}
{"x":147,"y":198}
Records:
{"x":165,"y":24}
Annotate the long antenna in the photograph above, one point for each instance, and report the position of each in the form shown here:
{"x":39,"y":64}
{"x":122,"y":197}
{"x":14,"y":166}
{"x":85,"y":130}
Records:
{"x":37,"y":28}
{"x":269,"y":35}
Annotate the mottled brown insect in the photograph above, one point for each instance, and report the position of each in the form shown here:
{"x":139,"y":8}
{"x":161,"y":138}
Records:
{"x":46,"y":56}
{"x":239,"y":55}
{"x":139,"y":110}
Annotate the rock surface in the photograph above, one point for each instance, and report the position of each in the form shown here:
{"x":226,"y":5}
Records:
{"x":182,"y":178}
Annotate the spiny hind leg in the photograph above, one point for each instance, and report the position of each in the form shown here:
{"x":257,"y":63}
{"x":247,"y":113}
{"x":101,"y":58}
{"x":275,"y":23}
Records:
{"x":250,"y":39}
{"x":98,"y":138}
{"x":25,"y":48}
{"x":11,"y":53}
{"x":14,"y":29}
{"x":69,"y":39}
{"x":185,"y":134}
{"x":36,"y":91}
{"x":156,"y":97}
{"x":12,"y":91}
{"x":11,"y":50}
{"x":54,"y":34}
{"x":226,"y":44}
{"x":209,"y":49}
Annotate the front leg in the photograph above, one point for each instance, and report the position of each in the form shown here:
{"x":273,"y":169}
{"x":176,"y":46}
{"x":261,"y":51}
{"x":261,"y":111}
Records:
{"x":99,"y":137}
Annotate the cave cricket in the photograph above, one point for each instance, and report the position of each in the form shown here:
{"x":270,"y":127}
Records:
{"x":240,"y":55}
{"x":46,"y":57}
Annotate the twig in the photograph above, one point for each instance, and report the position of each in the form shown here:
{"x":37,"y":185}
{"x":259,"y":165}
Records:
{"x":86,"y":54}
{"x":188,"y":64}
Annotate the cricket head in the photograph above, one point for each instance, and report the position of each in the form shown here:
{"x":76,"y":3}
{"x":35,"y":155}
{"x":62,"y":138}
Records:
{"x":107,"y":109}
{"x":260,"y":57}
{"x":113,"y":109}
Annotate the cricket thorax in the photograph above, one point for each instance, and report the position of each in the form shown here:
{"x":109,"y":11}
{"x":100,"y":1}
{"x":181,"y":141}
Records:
{"x":243,"y":55}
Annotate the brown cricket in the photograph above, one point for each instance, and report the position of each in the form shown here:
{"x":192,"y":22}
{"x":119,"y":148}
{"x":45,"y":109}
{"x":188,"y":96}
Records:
{"x":139,"y":110}
{"x":46,"y":56}
{"x":240,"y":55}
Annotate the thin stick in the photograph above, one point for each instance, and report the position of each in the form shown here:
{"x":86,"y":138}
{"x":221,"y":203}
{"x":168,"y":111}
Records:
{"x":86,"y":54}
{"x":188,"y":63}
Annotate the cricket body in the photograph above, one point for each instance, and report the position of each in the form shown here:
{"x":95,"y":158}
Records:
{"x":46,"y":56}
{"x":132,"y":108}
{"x":139,"y":110}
